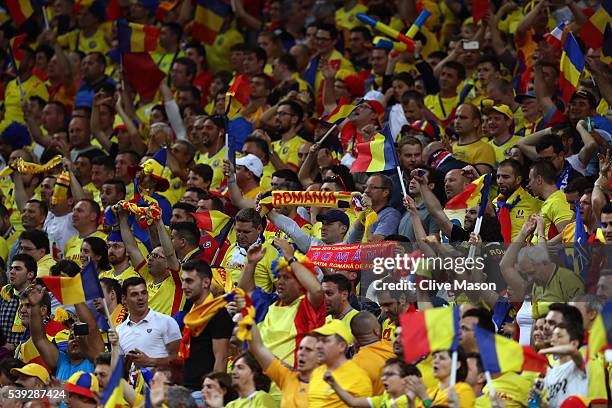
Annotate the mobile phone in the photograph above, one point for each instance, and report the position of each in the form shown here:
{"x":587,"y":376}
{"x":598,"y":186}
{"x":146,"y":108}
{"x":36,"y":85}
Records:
{"x":471,"y":45}
{"x":80,"y":329}
{"x":421,"y":172}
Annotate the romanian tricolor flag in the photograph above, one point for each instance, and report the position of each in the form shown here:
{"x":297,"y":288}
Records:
{"x":600,"y":336}
{"x":208,"y":19}
{"x":211,"y":221}
{"x":113,"y":392}
{"x":341,"y":112}
{"x":142,"y":73}
{"x":20,"y":10}
{"x":431,"y":330}
{"x":376,"y":155}
{"x":572,"y":65}
{"x":471,"y":196}
{"x":199,"y":316}
{"x":592,"y":32}
{"x":237,"y":96}
{"x":500,"y":354}
{"x":137,"y":37}
{"x":480,"y":8}
{"x":78,"y":289}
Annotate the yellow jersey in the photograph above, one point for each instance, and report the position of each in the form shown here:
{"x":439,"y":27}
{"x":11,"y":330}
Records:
{"x":13,"y":111}
{"x":218,"y":53}
{"x":478,"y":152}
{"x":164,"y":60}
{"x":372,"y":357}
{"x":441,"y":107}
{"x":288,"y":151}
{"x":129,"y":272}
{"x":344,"y":65}
{"x":294,"y":390}
{"x":464,"y":393}
{"x":216,"y":164}
{"x":44,"y":265}
{"x":522,"y":206}
{"x":72,"y":250}
{"x":259,"y":399}
{"x":502,"y":151}
{"x":235,"y":259}
{"x":388,"y":330}
{"x":510,"y":387}
{"x":76,"y":41}
{"x":166,"y":296}
{"x":349,"y":376}
{"x":555,"y":209}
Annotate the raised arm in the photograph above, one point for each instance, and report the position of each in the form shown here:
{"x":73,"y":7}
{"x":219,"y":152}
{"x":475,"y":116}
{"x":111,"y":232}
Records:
{"x":21,"y":197}
{"x":601,"y":190}
{"x":34,"y":125}
{"x":173,"y":112}
{"x":166,"y":244}
{"x":345,"y":396}
{"x":528,"y":21}
{"x":590,"y":145}
{"x":292,"y":229}
{"x":314,"y":290}
{"x":235,"y":194}
{"x":256,"y":346}
{"x":128,"y":237}
{"x":246,"y":281}
{"x":508,"y":262}
{"x":98,"y":133}
{"x":92,"y":344}
{"x":308,"y":170}
{"x":542,"y":96}
{"x":528,"y":144}
{"x":433,"y":204}
{"x":46,"y":349}
{"x":329,"y":93}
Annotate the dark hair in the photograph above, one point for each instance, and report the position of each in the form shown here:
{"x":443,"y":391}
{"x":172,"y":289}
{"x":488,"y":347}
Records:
{"x":134,"y":157}
{"x":38,"y":238}
{"x":458,"y":67}
{"x":3,"y":211}
{"x":112,"y":285}
{"x":262,"y":382}
{"x":404,"y":77}
{"x":344,"y":173}
{"x":485,"y":319}
{"x":7,"y":364}
{"x":516,"y":166}
{"x":204,"y":171}
{"x":405,"y":368}
{"x":103,"y":359}
{"x":249,"y":215}
{"x":574,"y":332}
{"x":99,"y":57}
{"x":176,"y":29}
{"x":199,"y":266}
{"x":550,"y":141}
{"x":162,"y":110}
{"x":462,"y":370}
{"x":95,"y":207}
{"x":580,"y":185}
{"x":330,"y":28}
{"x":118,"y":184}
{"x":341,"y":281}
{"x":45,"y":49}
{"x":189,"y":65}
{"x":259,"y":52}
{"x":190,"y":208}
{"x":286,"y":174}
{"x":546,"y":170}
{"x":412,"y":96}
{"x":199,"y":192}
{"x":289,"y":61}
{"x":367,"y":34}
{"x":91,"y":154}
{"x":476,"y":356}
{"x":261,"y":145}
{"x":105,"y":161}
{"x":187,"y":231}
{"x":190,"y":149}
{"x":571,"y":314}
{"x":99,"y":248}
{"x":607,"y":208}
{"x":225,"y":382}
{"x":195,"y":92}
{"x":133,"y":281}
{"x":28,"y":262}
{"x":491,"y":59}
{"x":218,"y":120}
{"x":295,"y":107}
{"x":70,"y":268}
{"x":266,"y":78}
{"x":289,"y":185}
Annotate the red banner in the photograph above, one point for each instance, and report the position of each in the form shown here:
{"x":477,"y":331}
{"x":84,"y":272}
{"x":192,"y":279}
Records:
{"x":351,"y":256}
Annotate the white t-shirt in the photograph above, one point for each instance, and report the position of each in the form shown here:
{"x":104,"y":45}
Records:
{"x":525,"y":322}
{"x":150,"y":335}
{"x":59,"y":229}
{"x":564,"y":380}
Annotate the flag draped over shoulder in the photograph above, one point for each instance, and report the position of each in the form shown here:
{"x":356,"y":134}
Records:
{"x":592,"y":32}
{"x":208,"y":19}
{"x":113,"y":393}
{"x":470,"y":197}
{"x":199,"y":316}
{"x":500,"y":354}
{"x":20,"y":10}
{"x":137,"y":37}
{"x":376,"y":155}
{"x":571,"y":66}
{"x":431,"y":330}
{"x":78,"y":289}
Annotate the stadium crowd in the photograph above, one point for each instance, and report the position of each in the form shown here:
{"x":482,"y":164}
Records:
{"x":183,"y":184}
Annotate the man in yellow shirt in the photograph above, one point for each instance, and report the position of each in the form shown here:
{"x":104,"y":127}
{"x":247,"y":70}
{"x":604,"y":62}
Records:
{"x":119,"y":260}
{"x":337,"y":289}
{"x":443,"y":103}
{"x":470,"y":147}
{"x":289,"y":118}
{"x":159,"y":268}
{"x":212,"y":132}
{"x":85,"y":216}
{"x":90,"y":36}
{"x":36,"y":244}
{"x":518,"y":203}
{"x":346,"y":16}
{"x":169,"y":45}
{"x":293,"y":383}
{"x":499,"y":123}
{"x":373,"y":351}
{"x":332,"y":341}
{"x":31,"y":86}
{"x":555,"y":209}
{"x":249,"y":170}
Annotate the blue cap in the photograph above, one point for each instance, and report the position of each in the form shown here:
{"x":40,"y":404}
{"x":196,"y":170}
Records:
{"x":334,"y":215}
{"x":16,"y":135}
{"x":529,"y":94}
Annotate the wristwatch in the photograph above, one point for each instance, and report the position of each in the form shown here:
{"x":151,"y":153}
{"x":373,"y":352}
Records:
{"x":292,"y":260}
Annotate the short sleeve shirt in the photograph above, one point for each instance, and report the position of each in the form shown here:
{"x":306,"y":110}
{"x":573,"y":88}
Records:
{"x":150,"y":335}
{"x":387,"y":222}
{"x":65,"y":369}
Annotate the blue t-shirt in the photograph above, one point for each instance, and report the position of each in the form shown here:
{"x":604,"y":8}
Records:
{"x":65,"y":369}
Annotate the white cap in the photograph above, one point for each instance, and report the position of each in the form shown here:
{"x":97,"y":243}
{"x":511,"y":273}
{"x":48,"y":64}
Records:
{"x":251,"y":162}
{"x":375,"y":96}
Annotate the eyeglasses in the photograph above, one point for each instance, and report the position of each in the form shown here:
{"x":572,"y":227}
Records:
{"x":153,"y":255}
{"x":22,"y":248}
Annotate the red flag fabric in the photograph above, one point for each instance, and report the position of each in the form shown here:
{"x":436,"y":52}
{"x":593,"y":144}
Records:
{"x":142,"y":73}
{"x":480,"y":8}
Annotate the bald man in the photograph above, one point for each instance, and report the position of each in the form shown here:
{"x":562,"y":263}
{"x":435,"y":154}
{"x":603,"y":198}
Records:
{"x":373,"y":351}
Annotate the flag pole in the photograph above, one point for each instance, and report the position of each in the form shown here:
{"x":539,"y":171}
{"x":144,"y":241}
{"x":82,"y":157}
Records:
{"x":453,"y":377}
{"x":17,"y":79}
{"x":45,"y":18}
{"x":490,"y":383}
{"x":401,"y":179}
{"x":327,"y":134}
{"x":477,"y":226}
{"x":108,"y":315}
